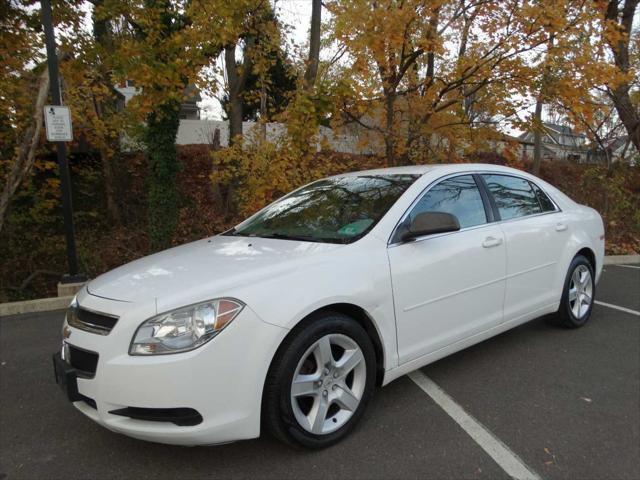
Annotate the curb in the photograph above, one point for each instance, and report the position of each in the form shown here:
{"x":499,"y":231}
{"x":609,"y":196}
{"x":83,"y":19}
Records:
{"x":32,"y":306}
{"x":58,"y":303}
{"x":621,"y":259}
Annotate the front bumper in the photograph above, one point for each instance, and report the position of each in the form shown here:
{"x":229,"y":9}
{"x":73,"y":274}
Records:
{"x":222,"y":380}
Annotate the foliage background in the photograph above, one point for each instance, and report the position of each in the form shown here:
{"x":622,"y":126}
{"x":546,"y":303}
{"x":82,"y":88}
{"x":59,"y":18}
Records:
{"x":33,"y":240}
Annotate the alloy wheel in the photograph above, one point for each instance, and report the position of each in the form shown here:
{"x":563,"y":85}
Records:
{"x":580,"y":291}
{"x":328,"y":384}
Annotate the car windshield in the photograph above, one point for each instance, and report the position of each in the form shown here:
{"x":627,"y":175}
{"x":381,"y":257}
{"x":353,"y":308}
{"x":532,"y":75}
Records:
{"x":333,"y":210}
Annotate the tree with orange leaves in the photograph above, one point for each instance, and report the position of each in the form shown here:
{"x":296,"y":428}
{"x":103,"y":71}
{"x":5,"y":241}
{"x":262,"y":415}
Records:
{"x":434,"y":77}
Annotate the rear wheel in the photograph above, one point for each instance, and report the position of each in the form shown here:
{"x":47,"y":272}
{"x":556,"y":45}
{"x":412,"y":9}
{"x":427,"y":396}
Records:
{"x":578,"y":294}
{"x":320,"y":381}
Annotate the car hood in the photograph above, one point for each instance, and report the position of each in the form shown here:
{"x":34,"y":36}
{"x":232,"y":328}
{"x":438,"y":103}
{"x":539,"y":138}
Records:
{"x":217,"y":265}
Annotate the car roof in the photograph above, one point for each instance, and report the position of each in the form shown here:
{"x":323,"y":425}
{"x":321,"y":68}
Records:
{"x":440,"y":168}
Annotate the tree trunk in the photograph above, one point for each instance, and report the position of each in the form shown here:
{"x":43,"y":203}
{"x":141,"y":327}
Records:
{"x":113,"y":211}
{"x":107,"y":159}
{"x":609,"y":160}
{"x":389,"y":134}
{"x":538,"y":127}
{"x":623,"y":155}
{"x":314,"y":44}
{"x":235,"y":99}
{"x":103,"y":37}
{"x":467,"y":100}
{"x":26,"y":151}
{"x":620,"y":95}
{"x":263,"y":111}
{"x":431,"y":56}
{"x":537,"y":138}
{"x":627,"y":113}
{"x":237,"y":81}
{"x":235,"y":119}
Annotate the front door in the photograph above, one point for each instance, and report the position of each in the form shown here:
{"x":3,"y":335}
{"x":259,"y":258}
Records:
{"x":450,"y":286}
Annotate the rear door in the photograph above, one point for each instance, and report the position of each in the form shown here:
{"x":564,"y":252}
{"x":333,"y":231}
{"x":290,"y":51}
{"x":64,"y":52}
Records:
{"x":449,"y":286}
{"x":535,"y":234}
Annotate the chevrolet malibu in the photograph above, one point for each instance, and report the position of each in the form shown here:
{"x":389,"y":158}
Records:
{"x":288,"y":321}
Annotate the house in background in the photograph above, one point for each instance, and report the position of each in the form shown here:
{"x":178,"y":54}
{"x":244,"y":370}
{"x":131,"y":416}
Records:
{"x":519,"y":147}
{"x":189,"y":109}
{"x":560,"y":142}
{"x":617,"y":149}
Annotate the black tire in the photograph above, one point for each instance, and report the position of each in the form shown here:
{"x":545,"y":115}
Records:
{"x":565,"y":317}
{"x":277,"y":410}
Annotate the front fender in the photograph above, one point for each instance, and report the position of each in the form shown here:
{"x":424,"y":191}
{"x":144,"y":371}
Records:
{"x":358,"y":277}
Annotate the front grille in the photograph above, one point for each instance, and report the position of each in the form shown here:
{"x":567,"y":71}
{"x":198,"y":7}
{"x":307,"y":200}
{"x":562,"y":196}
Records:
{"x":84,"y":361}
{"x":91,"y":321}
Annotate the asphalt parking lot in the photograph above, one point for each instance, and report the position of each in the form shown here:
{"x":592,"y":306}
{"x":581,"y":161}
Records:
{"x":565,"y":403}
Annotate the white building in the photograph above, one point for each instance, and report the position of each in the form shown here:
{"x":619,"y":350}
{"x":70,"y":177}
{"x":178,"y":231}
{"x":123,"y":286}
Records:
{"x":189,"y":109}
{"x":560,"y":142}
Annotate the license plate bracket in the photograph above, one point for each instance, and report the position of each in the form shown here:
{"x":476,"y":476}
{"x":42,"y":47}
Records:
{"x":66,"y":378}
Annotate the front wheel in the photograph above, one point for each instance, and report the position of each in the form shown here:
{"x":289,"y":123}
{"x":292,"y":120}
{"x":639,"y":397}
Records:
{"x":320,"y":382}
{"x":578,"y":294}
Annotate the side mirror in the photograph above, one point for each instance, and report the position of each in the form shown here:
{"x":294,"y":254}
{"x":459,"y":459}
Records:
{"x":428,"y":223}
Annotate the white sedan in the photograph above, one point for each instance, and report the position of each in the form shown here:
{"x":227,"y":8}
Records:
{"x":289,"y":320}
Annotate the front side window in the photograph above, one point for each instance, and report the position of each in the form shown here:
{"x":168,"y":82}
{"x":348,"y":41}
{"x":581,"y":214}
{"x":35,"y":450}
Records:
{"x":514,"y":196}
{"x":458,"y":196}
{"x":334,"y":210}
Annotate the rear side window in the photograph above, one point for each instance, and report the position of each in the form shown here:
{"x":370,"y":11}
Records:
{"x":545,"y":202}
{"x":514,"y":196}
{"x":458,"y":196}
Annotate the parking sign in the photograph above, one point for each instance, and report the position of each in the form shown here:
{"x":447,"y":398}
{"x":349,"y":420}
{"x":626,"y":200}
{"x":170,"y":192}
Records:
{"x":57,"y":121}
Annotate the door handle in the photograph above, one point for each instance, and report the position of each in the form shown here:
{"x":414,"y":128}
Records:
{"x":561,"y":227}
{"x":491,"y":242}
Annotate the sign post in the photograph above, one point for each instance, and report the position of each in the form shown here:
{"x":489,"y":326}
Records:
{"x":58,"y":124}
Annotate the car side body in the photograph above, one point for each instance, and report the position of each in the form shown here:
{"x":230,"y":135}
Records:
{"x":419,"y":301}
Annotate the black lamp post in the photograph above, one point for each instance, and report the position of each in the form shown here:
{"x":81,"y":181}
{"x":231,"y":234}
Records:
{"x":65,"y":181}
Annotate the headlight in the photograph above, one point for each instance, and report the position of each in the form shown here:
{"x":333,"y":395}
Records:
{"x":72,"y":309}
{"x":71,"y":315}
{"x":184,"y":329}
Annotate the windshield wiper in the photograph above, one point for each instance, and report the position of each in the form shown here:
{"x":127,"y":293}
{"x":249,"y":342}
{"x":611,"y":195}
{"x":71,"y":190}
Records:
{"x":232,"y":232}
{"x":302,"y":238}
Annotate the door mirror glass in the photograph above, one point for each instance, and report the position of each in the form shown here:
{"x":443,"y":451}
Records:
{"x":428,"y":223}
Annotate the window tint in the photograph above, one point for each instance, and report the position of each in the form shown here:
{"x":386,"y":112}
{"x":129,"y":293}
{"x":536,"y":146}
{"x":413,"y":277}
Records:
{"x":458,"y":196}
{"x":545,"y":202}
{"x":514,"y":196}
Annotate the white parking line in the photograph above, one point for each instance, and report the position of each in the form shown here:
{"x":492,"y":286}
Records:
{"x":622,"y":309}
{"x":501,"y":454}
{"x":628,"y":266}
